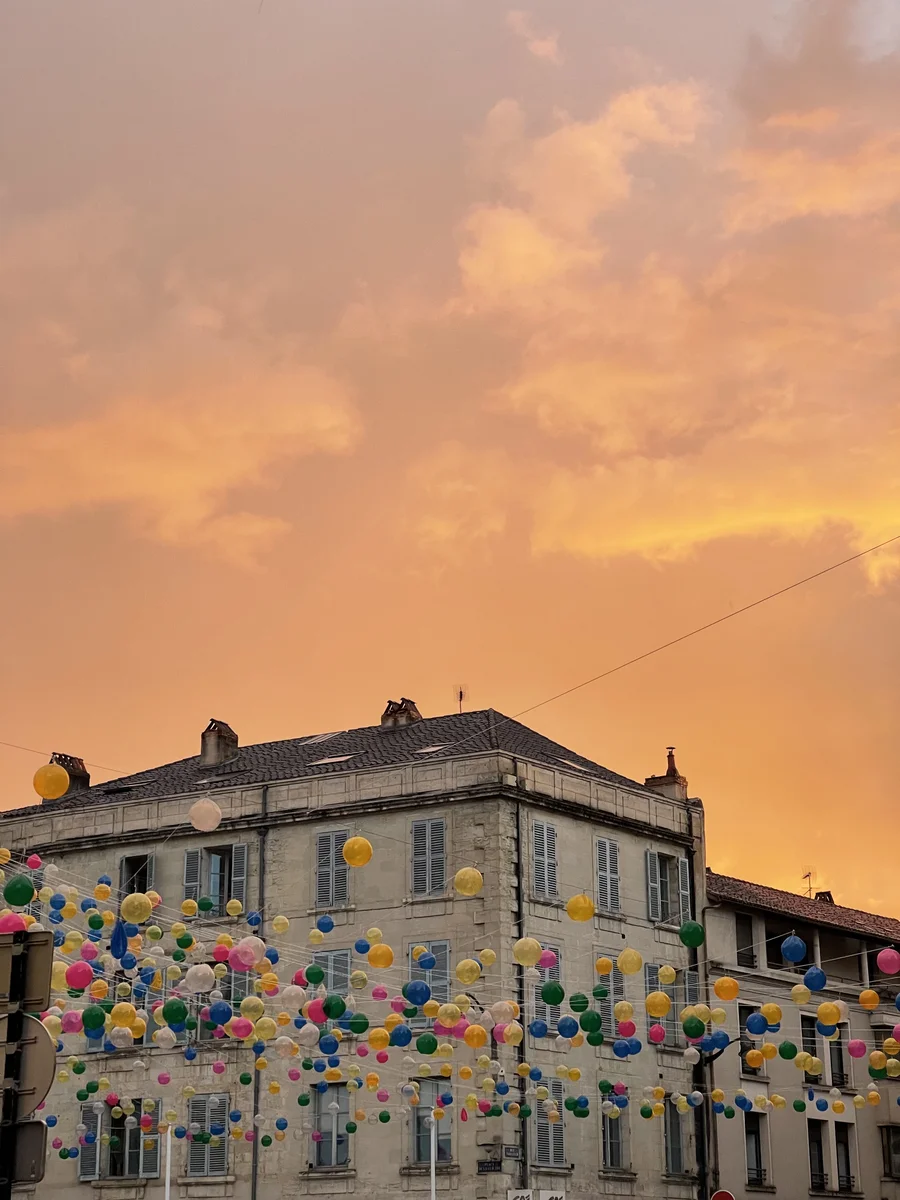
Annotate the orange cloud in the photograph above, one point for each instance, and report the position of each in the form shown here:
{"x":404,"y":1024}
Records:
{"x":544,"y":46}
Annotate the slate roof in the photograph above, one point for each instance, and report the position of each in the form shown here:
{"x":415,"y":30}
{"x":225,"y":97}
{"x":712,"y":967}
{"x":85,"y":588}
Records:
{"x":349,"y":750}
{"x":726,"y":889}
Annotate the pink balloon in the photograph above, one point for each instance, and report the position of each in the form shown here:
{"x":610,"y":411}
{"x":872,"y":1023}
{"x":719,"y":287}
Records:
{"x":112,"y":1099}
{"x":856,"y":1048}
{"x":218,"y":1032}
{"x":619,"y":1088}
{"x":250,"y":1135}
{"x":220,"y":953}
{"x":656,"y":1034}
{"x":293,"y":1074}
{"x":89,"y":951}
{"x":379,"y":992}
{"x":460,"y":1028}
{"x":241,"y":1027}
{"x":204,"y":1013}
{"x":382,"y":1056}
{"x":362,"y":1050}
{"x":316,"y":1012}
{"x":237,"y":961}
{"x":79,"y":975}
{"x":888,"y":960}
{"x":484,"y":1106}
{"x":548,"y":959}
{"x":896,"y":1033}
{"x":219,"y":1067}
{"x":164,"y":1077}
{"x":316,"y":1135}
{"x":300,"y":978}
{"x":627,"y":1029}
{"x":399,"y":1003}
{"x":499,"y":1032}
{"x":56,"y":1143}
{"x":71,"y":1021}
{"x":33,"y":862}
{"x":440,"y":1030}
{"x":14,"y":923}
{"x":382,"y":1095}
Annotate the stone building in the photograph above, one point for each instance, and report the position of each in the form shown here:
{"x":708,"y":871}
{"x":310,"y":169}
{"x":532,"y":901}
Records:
{"x":785,"y":1153}
{"x":432,"y":795}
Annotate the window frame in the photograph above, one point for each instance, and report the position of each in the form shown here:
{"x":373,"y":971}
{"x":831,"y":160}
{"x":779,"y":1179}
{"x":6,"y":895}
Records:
{"x":206,"y":1101}
{"x":607,"y":1124}
{"x":556,"y":1134}
{"x":331,"y":870}
{"x":890,"y":1151}
{"x":606,"y":862}
{"x":438,"y":983}
{"x":336,"y":1140}
{"x":673,"y":1135}
{"x":544,"y":861}
{"x":420,"y":1130}
{"x":756,"y":1121}
{"x":428,"y":858}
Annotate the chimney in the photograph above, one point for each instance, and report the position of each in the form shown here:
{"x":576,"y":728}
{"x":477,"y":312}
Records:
{"x":218,"y":744}
{"x":398,"y":713}
{"x":825,"y":897}
{"x":79,"y":775}
{"x":671,"y":784}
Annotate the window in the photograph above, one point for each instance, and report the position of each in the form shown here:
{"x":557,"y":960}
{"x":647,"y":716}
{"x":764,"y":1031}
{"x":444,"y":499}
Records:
{"x":548,"y":1012}
{"x":336,"y":965}
{"x":332,"y":1114}
{"x":843,"y":1132}
{"x":613,"y":1132}
{"x":745,"y":1011}
{"x":615,"y":984}
{"x":745,"y":946}
{"x":219,"y":873}
{"x":550,"y":1141}
{"x":670,"y":1021}
{"x":810,"y":1041}
{"x":754,"y":1139}
{"x":608,"y":899}
{"x":839,"y":1074}
{"x":332,"y":873}
{"x":438,"y":978}
{"x":136,"y":872}
{"x":131,"y":1153}
{"x":429,"y":1090}
{"x":211,"y":1114}
{"x":890,"y":1150}
{"x":543,"y":874}
{"x":674,"y":1136}
{"x":815,"y":1132}
{"x":429,"y":857}
{"x":668,"y":888}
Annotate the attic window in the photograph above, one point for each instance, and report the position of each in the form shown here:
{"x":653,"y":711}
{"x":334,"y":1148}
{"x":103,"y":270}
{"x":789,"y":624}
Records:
{"x":319,"y":762}
{"x":320,"y":737}
{"x":432,"y":749}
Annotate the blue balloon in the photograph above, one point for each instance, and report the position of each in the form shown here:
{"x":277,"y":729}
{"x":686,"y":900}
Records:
{"x":55,"y":918}
{"x":501,"y":1087}
{"x":94,"y":935}
{"x":619,"y":1101}
{"x":635,"y":1045}
{"x":897,"y":1002}
{"x":321,"y":1086}
{"x":822,"y":1104}
{"x":427,"y":961}
{"x":535,"y":1074}
{"x":319,"y":1066}
{"x":582,"y":1102}
{"x":178,"y":1027}
{"x":221,"y":1012}
{"x":216,"y":1129}
{"x":189,"y":1054}
{"x":361,"y":946}
{"x":50,"y":1121}
{"x":328,"y":1043}
{"x":401,"y":1035}
{"x":706,"y":1043}
{"x":325,"y":923}
{"x":281,"y":1123}
{"x":775,"y":1028}
{"x":131,"y":930}
{"x":57,"y":900}
{"x":118,"y":942}
{"x":128,"y":960}
{"x":718,"y":1106}
{"x":743,"y":1103}
{"x":719,"y":1039}
{"x":109,"y":1048}
{"x":254,"y":919}
{"x":334,"y":1061}
{"x":105,"y":879}
{"x":299,"y":1022}
{"x":692,"y":1100}
{"x":757,"y":1024}
{"x":234,"y":1115}
{"x":60,"y":1047}
{"x":271,"y":954}
{"x":538,"y":1029}
{"x":815,"y":979}
{"x":825,"y":1030}
{"x":621,"y":1048}
{"x":179,"y":1131}
{"x":73,"y":1152}
{"x":418,"y":992}
{"x":446,"y":1099}
{"x":147,"y":974}
{"x":567,"y":1027}
{"x":793,"y":949}
{"x":87,"y":903}
{"x":810,"y":1094}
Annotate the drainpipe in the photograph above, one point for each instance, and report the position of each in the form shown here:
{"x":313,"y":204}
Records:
{"x":701,"y":1113}
{"x":520,"y":926}
{"x":264,"y":811}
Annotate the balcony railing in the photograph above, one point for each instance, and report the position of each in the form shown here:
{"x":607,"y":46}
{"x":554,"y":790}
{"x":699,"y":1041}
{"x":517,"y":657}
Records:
{"x":839,"y":1079}
{"x":746,"y":957}
{"x":818,"y":1182}
{"x":756,"y":1176}
{"x":846,"y":1183}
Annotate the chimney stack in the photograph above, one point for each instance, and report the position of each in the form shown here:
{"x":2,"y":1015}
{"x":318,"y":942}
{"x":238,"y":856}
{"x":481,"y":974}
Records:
{"x":398,"y":713}
{"x":79,"y":775}
{"x":218,"y":744}
{"x":672,"y":784}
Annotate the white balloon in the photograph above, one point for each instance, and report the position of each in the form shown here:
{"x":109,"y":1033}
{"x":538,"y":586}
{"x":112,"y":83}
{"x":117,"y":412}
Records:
{"x":205,"y":815}
{"x":199,"y":978}
{"x":165,"y":1038}
{"x":284,"y":1046}
{"x":120,"y":1038}
{"x":308,"y":1035}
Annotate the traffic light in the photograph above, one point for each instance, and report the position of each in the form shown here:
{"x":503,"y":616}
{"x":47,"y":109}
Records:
{"x":27,"y":1055}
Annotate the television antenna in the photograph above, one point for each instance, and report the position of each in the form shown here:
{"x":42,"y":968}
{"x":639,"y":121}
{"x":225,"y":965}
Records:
{"x":809,"y":875}
{"x":460,"y":695}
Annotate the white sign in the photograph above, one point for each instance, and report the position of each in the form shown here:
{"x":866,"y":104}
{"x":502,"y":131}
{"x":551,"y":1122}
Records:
{"x":520,"y":1195}
{"x":551,"y":1196}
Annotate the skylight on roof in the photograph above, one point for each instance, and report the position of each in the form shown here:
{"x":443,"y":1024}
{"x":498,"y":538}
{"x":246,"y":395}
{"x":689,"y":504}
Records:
{"x":431,"y":749}
{"x":337,"y":758}
{"x":320,"y":737}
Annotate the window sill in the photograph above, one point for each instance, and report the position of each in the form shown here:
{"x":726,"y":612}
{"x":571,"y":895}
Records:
{"x":123,"y":1181}
{"x":543,"y":1169}
{"x":329,"y":1172}
{"x":616,"y":1173}
{"x":761,"y":1187}
{"x":437,"y":898}
{"x":331,"y":909}
{"x":441,"y":1168}
{"x":204,"y":1180}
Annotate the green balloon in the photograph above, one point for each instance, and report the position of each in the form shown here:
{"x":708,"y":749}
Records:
{"x":114,"y":1142}
{"x":646,"y":1111}
{"x":570,"y":1103}
{"x":787,"y":1050}
{"x":79,"y":1068}
{"x":878,"y":1073}
{"x":82,"y":1094}
{"x":314,"y":973}
{"x":384,"y":1116}
{"x":426,"y":1043}
{"x":600,"y":992}
{"x":692,"y":934}
{"x":351,"y":1127}
{"x":693,"y":1027}
{"x":359,"y":1023}
{"x":578,"y":1003}
{"x":496,"y":1111}
{"x":93,"y":1017}
{"x":92,"y":1086}
{"x":185,"y":941}
{"x":95,"y":922}
{"x":191,"y":1023}
{"x":412,"y":1011}
{"x":246,"y":1078}
{"x":178,"y":955}
{"x":64,"y":1153}
{"x":334,"y":1007}
{"x":303,"y":1099}
{"x":728,"y":1113}
{"x":307,"y":1064}
{"x":18,"y":891}
{"x":590,"y":1021}
{"x":799,"y":1106}
{"x":174,"y":1011}
{"x":595,"y":1039}
{"x":266,"y":1139}
{"x":605,"y":1086}
{"x":581,"y":1112}
{"x":552,"y":993}
{"x":525,"y":1111}
{"x":205,"y":904}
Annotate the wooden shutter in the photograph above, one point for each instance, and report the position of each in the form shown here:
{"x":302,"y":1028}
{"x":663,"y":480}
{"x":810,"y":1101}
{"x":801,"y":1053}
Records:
{"x":89,"y":1157}
{"x":691,"y":987}
{"x":684,"y":887}
{"x":420,"y":858}
{"x":440,"y":972}
{"x":239,"y":873}
{"x":557,"y":1131}
{"x":324,"y":852}
{"x":653,"y":908}
{"x":539,"y":858}
{"x":542,"y":1137}
{"x":651,"y":984}
{"x":550,"y":839}
{"x":437,"y":857}
{"x":192,"y":860}
{"x":198,"y":1110}
{"x":608,"y":897}
{"x":218,"y":1155}
{"x":149,"y":1160}
{"x":340,"y":972}
{"x":340,"y":871}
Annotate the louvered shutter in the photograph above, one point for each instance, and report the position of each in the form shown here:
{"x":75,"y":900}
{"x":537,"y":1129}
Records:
{"x":198,"y":1110}
{"x":553,"y":974}
{"x":340,"y":972}
{"x":437,"y":857}
{"x":89,"y":1158}
{"x":539,"y":858}
{"x":340,"y":871}
{"x":651,"y":984}
{"x":557,"y":1131}
{"x":542,"y":1138}
{"x":192,"y":874}
{"x":608,"y":875}
{"x":653,"y":909}
{"x":420,"y":858}
{"x":149,"y":1160}
{"x":691,"y":987}
{"x":552,"y":885}
{"x":324,"y":861}
{"x":684,"y":888}
{"x":440,"y":972}
{"x":239,"y":872}
{"x":151,"y":871}
{"x":218,"y":1155}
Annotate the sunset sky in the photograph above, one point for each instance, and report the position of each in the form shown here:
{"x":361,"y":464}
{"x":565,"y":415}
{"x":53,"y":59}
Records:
{"x":352,"y":349}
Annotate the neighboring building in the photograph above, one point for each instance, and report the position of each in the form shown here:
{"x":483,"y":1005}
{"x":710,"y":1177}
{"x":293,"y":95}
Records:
{"x":787,"y":1153}
{"x":540,"y":821}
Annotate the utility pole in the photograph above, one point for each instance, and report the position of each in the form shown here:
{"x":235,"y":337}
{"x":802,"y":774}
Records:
{"x":28,"y":1055}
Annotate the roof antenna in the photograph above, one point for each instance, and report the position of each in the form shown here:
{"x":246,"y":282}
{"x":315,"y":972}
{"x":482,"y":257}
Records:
{"x":809,"y":875}
{"x":460,"y":693}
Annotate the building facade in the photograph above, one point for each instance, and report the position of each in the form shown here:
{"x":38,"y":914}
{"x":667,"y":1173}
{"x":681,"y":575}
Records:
{"x":476,"y":789}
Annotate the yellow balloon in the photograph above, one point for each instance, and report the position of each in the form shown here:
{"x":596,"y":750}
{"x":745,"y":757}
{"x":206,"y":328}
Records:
{"x":5,"y":855}
{"x":718,"y":1016}
{"x":869,"y":999}
{"x":878,"y":1060}
{"x":123,"y":1015}
{"x":468,"y":971}
{"x":358,"y":979}
{"x":392,"y":1020}
{"x":281,"y":924}
{"x":69,"y":910}
{"x":234,"y":908}
{"x":527,"y":951}
{"x":136,"y":908}
{"x":101,"y":892}
{"x":53,"y":1025}
{"x":624,"y":1010}
{"x":379,"y":1038}
{"x":417,"y":952}
{"x":658,"y":1004}
{"x":468,"y":881}
{"x":448,"y":1014}
{"x":873,"y":1098}
{"x":374,"y":935}
{"x":357,"y":851}
{"x":316,"y":937}
{"x":475,"y":1036}
{"x":667,"y":975}
{"x":603,"y":966}
{"x":772,"y":1013}
{"x":380,"y":956}
{"x":800,"y":993}
{"x":189,"y":908}
{"x":726,"y":988}
{"x":252,"y":1007}
{"x":487,"y":957}
{"x":430,"y":1008}
{"x":514,"y":1033}
{"x":580,"y":907}
{"x":768,"y":1050}
{"x":828,"y":1013}
{"x":51,"y":781}
{"x":629,"y":962}
{"x":890,"y":1045}
{"x":893,"y":1068}
{"x":814,"y":1066}
{"x":265,"y":1029}
{"x":658,"y":1108}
